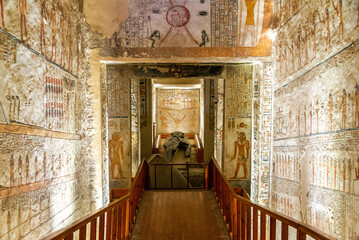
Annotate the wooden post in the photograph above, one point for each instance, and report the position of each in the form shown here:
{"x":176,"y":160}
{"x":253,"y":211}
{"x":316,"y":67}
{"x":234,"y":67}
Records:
{"x":263,"y":226}
{"x":102,"y":227}
{"x":273,"y":227}
{"x":284,"y":231}
{"x":108,"y":223}
{"x":127,"y":229}
{"x":235,"y":219}
{"x":93,"y":229}
{"x":255,"y":223}
{"x":249,"y":222}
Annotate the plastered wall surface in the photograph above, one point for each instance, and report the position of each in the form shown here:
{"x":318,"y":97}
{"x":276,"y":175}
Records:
{"x":238,"y":122}
{"x":315,"y":153}
{"x":178,"y":110}
{"x":45,"y":119}
{"x":182,"y":28}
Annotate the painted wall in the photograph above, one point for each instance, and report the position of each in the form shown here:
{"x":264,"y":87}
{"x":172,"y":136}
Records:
{"x":316,"y":115}
{"x":45,"y":182}
{"x":200,"y":28}
{"x":178,"y":110}
{"x":118,"y":126}
{"x":238,"y":122}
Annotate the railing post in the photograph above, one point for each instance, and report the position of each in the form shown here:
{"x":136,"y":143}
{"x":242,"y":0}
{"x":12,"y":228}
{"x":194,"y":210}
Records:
{"x":255,"y":224}
{"x":284,"y":231}
{"x":128,"y":220}
{"x":301,"y":235}
{"x":235,"y":219}
{"x":273,"y":227}
{"x":263,"y":226}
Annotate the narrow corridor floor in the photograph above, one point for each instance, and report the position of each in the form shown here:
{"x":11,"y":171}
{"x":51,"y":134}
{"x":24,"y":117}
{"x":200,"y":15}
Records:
{"x":179,"y":215}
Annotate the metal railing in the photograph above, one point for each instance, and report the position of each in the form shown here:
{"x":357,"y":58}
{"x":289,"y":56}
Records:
{"x":163,"y":169}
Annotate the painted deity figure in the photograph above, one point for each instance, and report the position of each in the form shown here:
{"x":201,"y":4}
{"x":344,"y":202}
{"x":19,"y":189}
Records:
{"x":155,"y":34}
{"x":53,"y":32}
{"x":356,"y":102}
{"x":42,"y":30}
{"x":116,"y":154}
{"x":357,"y":170}
{"x":2,"y":14}
{"x":205,"y":39}
{"x":330,"y":112}
{"x":23,"y":10}
{"x":339,"y":11}
{"x":241,"y":152}
{"x":317,"y":107}
{"x":343,"y":107}
{"x":326,"y":21}
{"x":70,"y":43}
{"x":62,"y":40}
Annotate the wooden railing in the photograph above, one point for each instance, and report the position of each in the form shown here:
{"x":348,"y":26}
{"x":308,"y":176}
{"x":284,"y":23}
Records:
{"x":247,"y":220}
{"x":114,"y":221}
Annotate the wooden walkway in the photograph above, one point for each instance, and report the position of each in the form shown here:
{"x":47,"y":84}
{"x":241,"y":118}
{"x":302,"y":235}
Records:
{"x":177,"y":215}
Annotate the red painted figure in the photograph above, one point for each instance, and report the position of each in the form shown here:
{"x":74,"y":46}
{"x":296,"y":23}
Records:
{"x":241,"y":146}
{"x":53,"y":32}
{"x":2,"y":15}
{"x":42,"y":30}
{"x":23,"y":10}
{"x":339,"y":11}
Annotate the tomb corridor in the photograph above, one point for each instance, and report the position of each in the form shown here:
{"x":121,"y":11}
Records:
{"x":175,"y":119}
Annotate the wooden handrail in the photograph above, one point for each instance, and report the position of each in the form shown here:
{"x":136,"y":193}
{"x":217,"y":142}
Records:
{"x":241,"y":214}
{"x":114,"y":221}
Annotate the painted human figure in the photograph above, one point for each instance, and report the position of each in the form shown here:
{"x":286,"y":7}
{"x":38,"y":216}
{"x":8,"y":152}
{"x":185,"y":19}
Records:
{"x":330,"y":112}
{"x":42,"y":30}
{"x":63,"y":40}
{"x":205,"y":39}
{"x":53,"y":32}
{"x":2,"y":15}
{"x":343,"y":107}
{"x":23,"y":27}
{"x":357,"y":170}
{"x":70,"y":43}
{"x":12,"y":171}
{"x":317,"y":113}
{"x":311,"y":118}
{"x":116,"y":154}
{"x":326,"y":21}
{"x":339,"y":11}
{"x":155,"y":34}
{"x":298,"y":121}
{"x":356,"y":102}
{"x":241,"y":152}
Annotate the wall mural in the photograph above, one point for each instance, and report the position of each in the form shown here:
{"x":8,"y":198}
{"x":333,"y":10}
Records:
{"x":238,"y":113}
{"x":321,"y":28}
{"x":178,"y":110}
{"x":262,"y":133}
{"x":55,"y":25}
{"x":119,"y":126}
{"x":315,"y":147}
{"x":196,"y":24}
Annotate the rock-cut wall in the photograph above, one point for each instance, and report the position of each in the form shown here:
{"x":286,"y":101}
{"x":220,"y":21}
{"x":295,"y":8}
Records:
{"x":315,"y":165}
{"x":44,"y":163}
